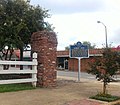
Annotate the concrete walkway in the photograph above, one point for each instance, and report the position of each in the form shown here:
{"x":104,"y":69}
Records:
{"x":67,"y":92}
{"x":88,"y":101}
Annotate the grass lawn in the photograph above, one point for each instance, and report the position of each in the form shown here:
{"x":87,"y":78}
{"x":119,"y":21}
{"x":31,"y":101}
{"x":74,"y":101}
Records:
{"x":15,"y":87}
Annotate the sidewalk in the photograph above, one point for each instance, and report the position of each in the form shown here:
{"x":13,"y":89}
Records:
{"x":91,"y":102}
{"x":67,"y":92}
{"x":88,"y":101}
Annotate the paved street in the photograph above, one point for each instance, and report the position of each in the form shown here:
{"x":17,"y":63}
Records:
{"x":83,"y":75}
{"x":70,"y":74}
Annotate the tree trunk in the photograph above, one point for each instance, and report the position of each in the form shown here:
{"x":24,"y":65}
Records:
{"x":104,"y":86}
{"x":21,"y":58}
{"x":11,"y":53}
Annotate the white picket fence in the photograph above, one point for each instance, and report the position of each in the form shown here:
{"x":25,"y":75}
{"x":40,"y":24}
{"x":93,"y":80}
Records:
{"x":15,"y":70}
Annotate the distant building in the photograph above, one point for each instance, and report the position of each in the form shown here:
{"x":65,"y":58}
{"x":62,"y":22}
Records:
{"x":64,"y":62}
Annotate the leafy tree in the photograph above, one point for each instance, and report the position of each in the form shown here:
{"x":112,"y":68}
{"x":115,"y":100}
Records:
{"x":67,"y":48}
{"x":18,"y":21}
{"x":105,"y":67}
{"x":90,"y":46}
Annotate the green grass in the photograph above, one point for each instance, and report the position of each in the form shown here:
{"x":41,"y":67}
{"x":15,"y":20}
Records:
{"x":105,"y":97}
{"x":15,"y":87}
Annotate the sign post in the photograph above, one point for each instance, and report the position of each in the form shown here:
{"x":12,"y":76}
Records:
{"x":79,"y":70}
{"x":79,"y":51}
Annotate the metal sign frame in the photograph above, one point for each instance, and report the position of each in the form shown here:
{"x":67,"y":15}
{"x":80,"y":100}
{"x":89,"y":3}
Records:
{"x":79,"y":51}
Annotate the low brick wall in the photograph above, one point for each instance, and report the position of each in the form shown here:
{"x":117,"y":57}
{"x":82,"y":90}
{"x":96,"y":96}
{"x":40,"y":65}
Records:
{"x":45,"y":44}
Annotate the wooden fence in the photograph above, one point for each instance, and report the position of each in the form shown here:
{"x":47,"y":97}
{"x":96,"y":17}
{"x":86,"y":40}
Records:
{"x":15,"y":70}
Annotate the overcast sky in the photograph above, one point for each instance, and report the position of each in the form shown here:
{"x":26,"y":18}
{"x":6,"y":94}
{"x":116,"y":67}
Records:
{"x":76,"y":20}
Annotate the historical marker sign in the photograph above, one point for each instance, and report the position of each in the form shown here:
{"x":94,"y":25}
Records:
{"x":79,"y":51}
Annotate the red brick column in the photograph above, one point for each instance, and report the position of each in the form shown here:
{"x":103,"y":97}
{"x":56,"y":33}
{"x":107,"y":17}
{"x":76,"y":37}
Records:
{"x":45,"y":44}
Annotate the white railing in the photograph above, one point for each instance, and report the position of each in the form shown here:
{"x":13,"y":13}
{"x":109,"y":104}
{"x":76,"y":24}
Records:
{"x":15,"y":70}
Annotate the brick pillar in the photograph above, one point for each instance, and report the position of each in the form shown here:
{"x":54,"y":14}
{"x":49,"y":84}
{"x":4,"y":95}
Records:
{"x":45,"y":44}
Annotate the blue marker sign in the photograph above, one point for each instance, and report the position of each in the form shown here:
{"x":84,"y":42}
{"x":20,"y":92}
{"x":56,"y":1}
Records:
{"x":79,"y":51}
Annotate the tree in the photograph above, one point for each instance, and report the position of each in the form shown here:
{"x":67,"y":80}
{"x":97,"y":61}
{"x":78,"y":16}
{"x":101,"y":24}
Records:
{"x":67,"y":48}
{"x":105,"y":67}
{"x":90,"y":46}
{"x":18,"y":21}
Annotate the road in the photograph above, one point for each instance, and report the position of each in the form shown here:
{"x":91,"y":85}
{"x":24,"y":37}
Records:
{"x":83,"y":75}
{"x":75,"y":75}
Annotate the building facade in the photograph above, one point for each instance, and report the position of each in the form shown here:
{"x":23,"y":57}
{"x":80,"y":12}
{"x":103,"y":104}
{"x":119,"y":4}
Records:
{"x":64,"y":62}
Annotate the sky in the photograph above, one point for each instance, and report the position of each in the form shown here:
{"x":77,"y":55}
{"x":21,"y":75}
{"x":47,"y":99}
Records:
{"x":76,"y":20}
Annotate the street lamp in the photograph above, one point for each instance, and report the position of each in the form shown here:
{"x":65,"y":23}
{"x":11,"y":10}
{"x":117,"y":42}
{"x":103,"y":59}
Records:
{"x":105,"y":32}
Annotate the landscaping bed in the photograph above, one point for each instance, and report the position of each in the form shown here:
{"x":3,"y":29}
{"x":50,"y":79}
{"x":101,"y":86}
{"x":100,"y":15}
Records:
{"x":105,"y":97}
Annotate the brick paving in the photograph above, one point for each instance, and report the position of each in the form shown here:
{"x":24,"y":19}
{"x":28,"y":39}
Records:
{"x":85,"y":102}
